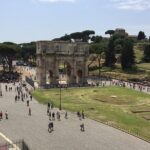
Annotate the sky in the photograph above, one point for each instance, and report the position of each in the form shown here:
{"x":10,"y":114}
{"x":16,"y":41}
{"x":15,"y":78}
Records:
{"x":33,"y":20}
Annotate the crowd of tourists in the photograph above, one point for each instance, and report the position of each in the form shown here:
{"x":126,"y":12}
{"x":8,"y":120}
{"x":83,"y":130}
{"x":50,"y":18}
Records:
{"x":22,"y":94}
{"x":52,"y":115}
{"x":114,"y":82}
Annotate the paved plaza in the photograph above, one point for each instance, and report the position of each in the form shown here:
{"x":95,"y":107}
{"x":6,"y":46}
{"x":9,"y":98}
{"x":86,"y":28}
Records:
{"x":66,"y":135}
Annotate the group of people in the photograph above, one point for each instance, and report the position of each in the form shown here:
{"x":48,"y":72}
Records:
{"x":127,"y":84}
{"x":52,"y":116}
{"x":22,"y":93}
{"x":1,"y":115}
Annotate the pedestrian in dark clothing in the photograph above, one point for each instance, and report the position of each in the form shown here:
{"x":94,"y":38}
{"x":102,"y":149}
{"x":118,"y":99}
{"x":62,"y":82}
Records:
{"x":52,"y":126}
{"x":48,"y":105}
{"x":1,"y":115}
{"x":6,"y":88}
{"x":49,"y":127}
{"x":27,"y":102}
{"x":16,"y":97}
{"x":47,"y":111}
{"x":82,"y":127}
{"x":6,"y":115}
{"x":50,"y":115}
{"x":1,"y":93}
{"x":78,"y":113}
{"x":53,"y":116}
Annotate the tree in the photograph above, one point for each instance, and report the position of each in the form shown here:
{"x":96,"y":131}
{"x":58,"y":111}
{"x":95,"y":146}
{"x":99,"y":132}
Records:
{"x":8,"y":53}
{"x":98,"y":49}
{"x":84,"y":36}
{"x":110,"y":58}
{"x":66,"y":37}
{"x":141,"y":35}
{"x":118,"y":44}
{"x":28,"y":52}
{"x":147,"y":53}
{"x":127,"y":55}
{"x":110,"y":32}
{"x":96,"y":39}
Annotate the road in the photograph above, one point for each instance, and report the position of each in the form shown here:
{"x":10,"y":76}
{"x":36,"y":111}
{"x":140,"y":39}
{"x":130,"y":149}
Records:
{"x":66,"y":134}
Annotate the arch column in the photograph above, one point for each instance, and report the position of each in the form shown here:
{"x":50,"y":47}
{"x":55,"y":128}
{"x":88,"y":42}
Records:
{"x":56,"y":71}
{"x":41,"y":71}
{"x":73,"y":72}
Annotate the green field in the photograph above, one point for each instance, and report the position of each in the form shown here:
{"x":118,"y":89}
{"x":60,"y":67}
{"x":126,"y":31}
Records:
{"x":116,"y":106}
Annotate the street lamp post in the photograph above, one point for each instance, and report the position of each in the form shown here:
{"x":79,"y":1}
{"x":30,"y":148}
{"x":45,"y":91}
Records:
{"x":60,"y":97}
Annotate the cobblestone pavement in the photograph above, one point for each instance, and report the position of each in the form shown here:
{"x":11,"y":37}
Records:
{"x":66,"y":135}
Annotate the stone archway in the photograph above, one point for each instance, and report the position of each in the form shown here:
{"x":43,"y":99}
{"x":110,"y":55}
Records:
{"x":72,"y":56}
{"x":64,"y":68}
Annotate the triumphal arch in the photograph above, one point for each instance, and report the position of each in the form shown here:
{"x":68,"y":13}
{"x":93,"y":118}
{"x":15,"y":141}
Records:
{"x":57,"y":60}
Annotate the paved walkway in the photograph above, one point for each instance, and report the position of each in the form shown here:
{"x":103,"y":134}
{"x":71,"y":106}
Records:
{"x":66,"y":134}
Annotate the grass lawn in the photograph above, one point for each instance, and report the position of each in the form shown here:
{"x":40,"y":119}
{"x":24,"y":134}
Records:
{"x":144,"y":66}
{"x":113,"y":105}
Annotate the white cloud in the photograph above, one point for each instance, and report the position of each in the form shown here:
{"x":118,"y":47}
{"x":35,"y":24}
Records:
{"x":53,"y":1}
{"x":132,"y":4}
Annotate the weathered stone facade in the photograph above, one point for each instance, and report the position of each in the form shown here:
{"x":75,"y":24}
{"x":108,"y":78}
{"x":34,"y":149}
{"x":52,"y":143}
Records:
{"x":50,"y":54}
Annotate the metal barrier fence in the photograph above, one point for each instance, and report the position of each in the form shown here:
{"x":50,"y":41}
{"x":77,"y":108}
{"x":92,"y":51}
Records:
{"x":19,"y":145}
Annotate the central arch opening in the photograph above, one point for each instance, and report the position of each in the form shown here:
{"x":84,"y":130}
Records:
{"x":64,"y":72}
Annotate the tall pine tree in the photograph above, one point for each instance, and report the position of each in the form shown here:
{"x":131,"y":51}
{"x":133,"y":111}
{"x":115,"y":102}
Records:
{"x":127,"y":55}
{"x":110,"y":59}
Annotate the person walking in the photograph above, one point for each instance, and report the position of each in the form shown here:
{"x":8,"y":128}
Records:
{"x":29,"y":111}
{"x":52,"y":126}
{"x":6,"y":114}
{"x":16,"y":97}
{"x":82,"y":127}
{"x":53,"y":116}
{"x":49,"y":127}
{"x":50,"y":115}
{"x":48,"y":111}
{"x":1,"y":115}
{"x":48,"y":105}
{"x":27,"y":102}
{"x":58,"y":115}
{"x":82,"y":114}
{"x":66,"y":115}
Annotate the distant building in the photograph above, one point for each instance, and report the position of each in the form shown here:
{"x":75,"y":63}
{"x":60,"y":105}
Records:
{"x":121,"y":31}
